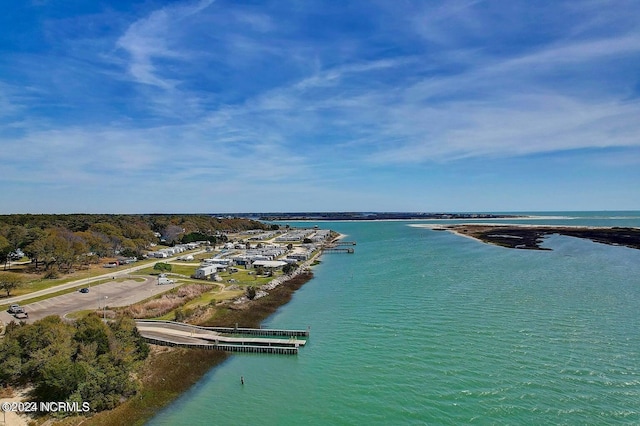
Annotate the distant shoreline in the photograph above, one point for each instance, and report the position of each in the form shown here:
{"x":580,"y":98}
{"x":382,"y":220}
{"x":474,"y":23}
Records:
{"x":529,"y":237}
{"x":366,"y":216}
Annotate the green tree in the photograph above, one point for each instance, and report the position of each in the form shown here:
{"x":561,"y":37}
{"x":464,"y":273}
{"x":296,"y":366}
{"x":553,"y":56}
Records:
{"x":52,"y":249}
{"x":10,"y":281}
{"x":129,"y":345}
{"x":288,"y":268}
{"x":97,"y":242}
{"x":5,"y":250}
{"x":91,"y":329}
{"x":162,"y":267}
{"x":113,"y":235}
{"x":10,"y":360}
{"x":90,"y":361}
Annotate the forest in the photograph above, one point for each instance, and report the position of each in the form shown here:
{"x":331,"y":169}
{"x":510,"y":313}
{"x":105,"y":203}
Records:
{"x":87,"y":361}
{"x":56,"y":243}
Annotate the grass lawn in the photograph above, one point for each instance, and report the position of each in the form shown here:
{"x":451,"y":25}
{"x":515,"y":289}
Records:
{"x":176,"y":268}
{"x":79,"y":314}
{"x":247,"y":277}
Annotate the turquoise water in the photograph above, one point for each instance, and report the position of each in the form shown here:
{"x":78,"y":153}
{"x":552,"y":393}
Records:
{"x":426,"y":327}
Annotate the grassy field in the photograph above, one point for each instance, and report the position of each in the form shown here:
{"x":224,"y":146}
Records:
{"x":246,"y":277}
{"x":176,"y":268}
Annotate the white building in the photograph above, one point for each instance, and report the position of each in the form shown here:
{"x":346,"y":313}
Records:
{"x":269,"y":264}
{"x":205,"y":271}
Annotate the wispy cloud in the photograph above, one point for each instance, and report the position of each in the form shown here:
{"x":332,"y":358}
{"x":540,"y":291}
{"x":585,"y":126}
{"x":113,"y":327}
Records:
{"x":149,"y":39}
{"x":281,"y":99}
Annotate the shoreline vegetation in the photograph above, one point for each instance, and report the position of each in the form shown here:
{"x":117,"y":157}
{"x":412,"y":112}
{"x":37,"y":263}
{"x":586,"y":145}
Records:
{"x":529,"y":237}
{"x":170,"y":372}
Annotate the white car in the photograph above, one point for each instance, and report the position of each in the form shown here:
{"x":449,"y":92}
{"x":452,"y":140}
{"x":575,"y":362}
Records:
{"x":16,"y":309}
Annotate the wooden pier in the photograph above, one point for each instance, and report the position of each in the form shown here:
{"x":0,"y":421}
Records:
{"x":281,"y":350}
{"x":345,"y":243}
{"x":230,"y":339}
{"x":260,"y":331}
{"x":338,"y":250}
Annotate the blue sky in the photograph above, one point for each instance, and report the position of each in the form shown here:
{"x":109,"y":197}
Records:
{"x":229,"y":106}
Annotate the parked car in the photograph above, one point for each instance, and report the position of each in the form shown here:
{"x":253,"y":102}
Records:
{"x":16,"y":309}
{"x":84,"y":290}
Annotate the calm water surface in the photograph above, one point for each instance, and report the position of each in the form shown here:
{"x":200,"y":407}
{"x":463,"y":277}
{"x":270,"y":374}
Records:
{"x":426,"y":327}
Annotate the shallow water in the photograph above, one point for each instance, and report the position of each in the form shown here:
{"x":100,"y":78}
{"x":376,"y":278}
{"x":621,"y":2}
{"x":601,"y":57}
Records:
{"x":426,"y":327}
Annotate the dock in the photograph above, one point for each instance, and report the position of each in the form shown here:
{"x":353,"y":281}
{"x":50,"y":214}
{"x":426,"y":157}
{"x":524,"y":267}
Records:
{"x":230,"y":339}
{"x":338,"y":247}
{"x":338,"y":250}
{"x":260,"y":331}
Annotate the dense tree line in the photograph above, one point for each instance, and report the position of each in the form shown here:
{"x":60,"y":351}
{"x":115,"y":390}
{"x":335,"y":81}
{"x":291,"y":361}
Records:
{"x":62,"y":241}
{"x":155,"y":222}
{"x":88,"y":361}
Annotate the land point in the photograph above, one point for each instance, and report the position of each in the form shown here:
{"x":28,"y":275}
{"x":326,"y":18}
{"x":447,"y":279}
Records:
{"x":529,"y":237}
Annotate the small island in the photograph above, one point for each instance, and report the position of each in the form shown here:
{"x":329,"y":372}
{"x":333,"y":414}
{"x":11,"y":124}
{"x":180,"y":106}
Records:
{"x":530,"y":237}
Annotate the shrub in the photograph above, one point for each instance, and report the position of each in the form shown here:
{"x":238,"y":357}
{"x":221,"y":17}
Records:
{"x":251,"y":292}
{"x":162,"y":267}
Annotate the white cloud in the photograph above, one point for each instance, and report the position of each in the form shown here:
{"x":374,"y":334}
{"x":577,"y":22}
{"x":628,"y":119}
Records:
{"x":148,"y":39}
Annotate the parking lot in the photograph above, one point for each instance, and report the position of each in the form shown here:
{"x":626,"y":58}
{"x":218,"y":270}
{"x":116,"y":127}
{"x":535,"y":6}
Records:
{"x":119,"y":292}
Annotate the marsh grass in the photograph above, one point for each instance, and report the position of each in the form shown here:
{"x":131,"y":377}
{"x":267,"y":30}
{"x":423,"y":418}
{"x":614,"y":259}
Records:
{"x":166,"y":375}
{"x":167,"y":302}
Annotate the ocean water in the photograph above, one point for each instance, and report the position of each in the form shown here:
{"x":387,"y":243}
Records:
{"x":426,"y":327}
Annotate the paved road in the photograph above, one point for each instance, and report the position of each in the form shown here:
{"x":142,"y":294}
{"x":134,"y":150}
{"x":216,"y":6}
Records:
{"x":117,"y":274}
{"x":116,"y":293}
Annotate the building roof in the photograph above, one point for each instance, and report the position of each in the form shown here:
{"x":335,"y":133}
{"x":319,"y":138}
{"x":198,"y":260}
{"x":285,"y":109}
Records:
{"x":269,"y":263}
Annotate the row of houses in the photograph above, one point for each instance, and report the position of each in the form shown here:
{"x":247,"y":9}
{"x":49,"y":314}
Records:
{"x":172,"y":251}
{"x":270,"y":256}
{"x":267,"y":257}
{"x":299,"y":257}
{"x":218,"y":261}
{"x":320,"y":235}
{"x":264,"y":236}
{"x":295,"y":235}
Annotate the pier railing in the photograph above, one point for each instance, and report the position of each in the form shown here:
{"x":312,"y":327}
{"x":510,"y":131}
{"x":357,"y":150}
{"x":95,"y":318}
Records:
{"x":235,"y":330}
{"x":338,"y":250}
{"x":282,"y":350}
{"x":218,"y":337}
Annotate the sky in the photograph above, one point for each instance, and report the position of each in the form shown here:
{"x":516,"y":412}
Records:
{"x":203,"y":106}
